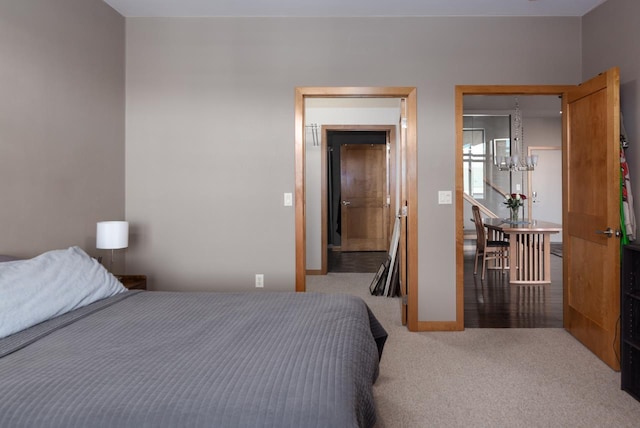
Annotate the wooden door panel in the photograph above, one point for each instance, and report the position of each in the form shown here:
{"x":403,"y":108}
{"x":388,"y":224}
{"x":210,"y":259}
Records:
{"x":587,"y":298}
{"x":365,"y":230}
{"x":587,"y":160}
{"x":592,"y":203}
{"x":582,"y":225}
{"x":363,"y":192}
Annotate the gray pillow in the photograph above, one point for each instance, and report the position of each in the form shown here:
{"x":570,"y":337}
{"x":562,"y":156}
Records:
{"x":49,"y":285}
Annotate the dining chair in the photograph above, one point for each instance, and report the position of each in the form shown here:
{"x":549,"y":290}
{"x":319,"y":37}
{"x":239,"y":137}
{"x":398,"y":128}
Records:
{"x":489,"y":250}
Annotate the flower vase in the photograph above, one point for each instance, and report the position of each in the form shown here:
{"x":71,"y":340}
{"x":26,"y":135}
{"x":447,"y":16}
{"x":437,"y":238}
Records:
{"x":514,"y":214}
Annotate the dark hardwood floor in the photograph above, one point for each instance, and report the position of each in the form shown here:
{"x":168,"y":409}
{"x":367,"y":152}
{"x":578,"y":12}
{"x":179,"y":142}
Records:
{"x":355,"y":261}
{"x":494,"y":303}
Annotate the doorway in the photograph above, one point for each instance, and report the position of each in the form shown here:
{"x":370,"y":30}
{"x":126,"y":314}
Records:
{"x":407,"y":184}
{"x":461,"y":92}
{"x":358,"y":199}
{"x":343,"y":251}
{"x":491,"y":133}
{"x":591,"y":207}
{"x":358,"y":190}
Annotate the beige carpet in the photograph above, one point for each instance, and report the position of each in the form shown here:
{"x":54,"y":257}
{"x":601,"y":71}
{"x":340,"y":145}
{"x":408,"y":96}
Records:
{"x":486,"y":377}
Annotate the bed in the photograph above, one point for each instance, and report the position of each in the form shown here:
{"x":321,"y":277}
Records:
{"x":169,"y":359}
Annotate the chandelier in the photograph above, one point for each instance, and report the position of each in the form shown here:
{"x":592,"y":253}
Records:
{"x":517,"y":161}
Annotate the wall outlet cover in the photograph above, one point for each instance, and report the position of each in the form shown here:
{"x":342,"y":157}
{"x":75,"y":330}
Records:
{"x":444,"y":197}
{"x":259,"y":280}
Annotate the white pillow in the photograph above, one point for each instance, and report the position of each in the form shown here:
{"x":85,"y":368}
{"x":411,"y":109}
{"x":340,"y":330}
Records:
{"x":49,"y":285}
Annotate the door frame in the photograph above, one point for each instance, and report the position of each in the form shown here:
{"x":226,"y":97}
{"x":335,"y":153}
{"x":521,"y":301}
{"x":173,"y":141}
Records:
{"x":461,"y":91}
{"x":408,"y":180}
{"x":391,"y":140}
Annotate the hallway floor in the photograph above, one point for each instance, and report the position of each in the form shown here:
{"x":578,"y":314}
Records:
{"x":355,"y":261}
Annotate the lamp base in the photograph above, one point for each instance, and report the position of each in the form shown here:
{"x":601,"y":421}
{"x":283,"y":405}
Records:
{"x":111,"y":261}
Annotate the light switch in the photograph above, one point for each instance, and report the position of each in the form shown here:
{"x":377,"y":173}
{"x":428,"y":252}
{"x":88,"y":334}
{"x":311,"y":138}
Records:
{"x":444,"y":197}
{"x":288,"y":199}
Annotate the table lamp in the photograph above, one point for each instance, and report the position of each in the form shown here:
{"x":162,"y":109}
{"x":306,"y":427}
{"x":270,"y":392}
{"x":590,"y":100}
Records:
{"x":112,"y":235}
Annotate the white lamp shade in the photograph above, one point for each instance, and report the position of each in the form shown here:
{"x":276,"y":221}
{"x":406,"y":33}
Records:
{"x":112,"y":235}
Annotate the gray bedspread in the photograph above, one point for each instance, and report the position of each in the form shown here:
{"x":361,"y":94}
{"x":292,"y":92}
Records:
{"x":162,"y":359}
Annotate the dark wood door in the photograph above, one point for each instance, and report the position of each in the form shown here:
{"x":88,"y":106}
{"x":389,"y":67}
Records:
{"x":363,"y":192}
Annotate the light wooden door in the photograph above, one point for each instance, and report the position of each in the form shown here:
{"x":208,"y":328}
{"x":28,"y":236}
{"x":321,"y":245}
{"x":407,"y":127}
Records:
{"x":591,"y":176}
{"x":363,"y":189}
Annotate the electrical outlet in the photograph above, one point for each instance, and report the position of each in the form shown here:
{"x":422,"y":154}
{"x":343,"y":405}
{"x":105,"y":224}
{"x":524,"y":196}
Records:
{"x":259,"y":280}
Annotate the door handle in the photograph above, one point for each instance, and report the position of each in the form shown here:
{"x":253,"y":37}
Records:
{"x":345,"y":203}
{"x":609,"y":232}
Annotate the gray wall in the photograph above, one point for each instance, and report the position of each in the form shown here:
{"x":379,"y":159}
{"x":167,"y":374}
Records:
{"x":210,"y":130}
{"x":61,"y":123}
{"x":210,"y":124}
{"x":610,"y":38}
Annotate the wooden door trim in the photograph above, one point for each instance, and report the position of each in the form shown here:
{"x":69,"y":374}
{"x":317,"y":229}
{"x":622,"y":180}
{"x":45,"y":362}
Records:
{"x":391,"y":139}
{"x":410,"y":185}
{"x":460,"y":92}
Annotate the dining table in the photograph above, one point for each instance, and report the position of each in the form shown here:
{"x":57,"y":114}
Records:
{"x":529,"y":247}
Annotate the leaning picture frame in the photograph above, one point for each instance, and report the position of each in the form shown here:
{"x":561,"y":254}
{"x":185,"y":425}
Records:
{"x":393,"y":251}
{"x":375,"y":287}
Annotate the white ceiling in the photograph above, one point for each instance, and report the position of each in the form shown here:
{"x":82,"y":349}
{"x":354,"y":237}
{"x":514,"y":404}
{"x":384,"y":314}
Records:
{"x":350,"y":8}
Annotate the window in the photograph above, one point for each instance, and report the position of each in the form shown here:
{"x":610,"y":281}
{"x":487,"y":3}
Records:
{"x":474,"y":156}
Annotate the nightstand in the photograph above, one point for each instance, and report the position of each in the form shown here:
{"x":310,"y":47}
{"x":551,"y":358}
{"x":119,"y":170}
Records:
{"x":133,"y":282}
